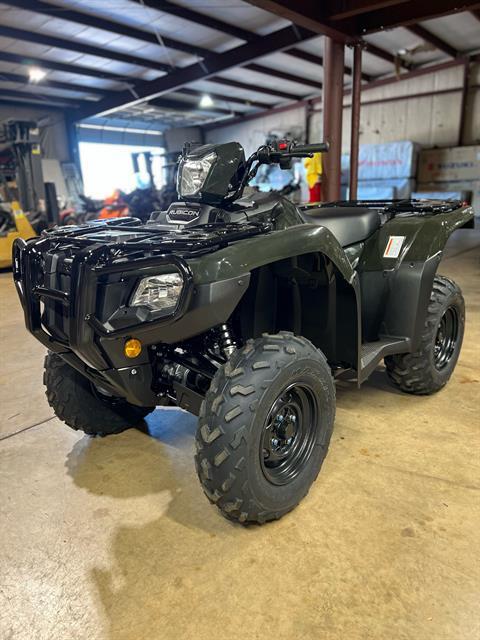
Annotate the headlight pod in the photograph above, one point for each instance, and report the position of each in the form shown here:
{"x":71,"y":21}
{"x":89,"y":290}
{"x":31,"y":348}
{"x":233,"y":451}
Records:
{"x":193,"y":173}
{"x":159,"y":293}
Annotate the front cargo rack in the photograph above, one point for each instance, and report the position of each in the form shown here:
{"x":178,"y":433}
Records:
{"x":128,"y":235}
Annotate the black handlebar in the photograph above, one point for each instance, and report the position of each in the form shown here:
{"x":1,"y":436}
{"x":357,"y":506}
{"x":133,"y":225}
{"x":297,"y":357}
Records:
{"x":283,"y":150}
{"x":318,"y":147}
{"x":280,"y":152}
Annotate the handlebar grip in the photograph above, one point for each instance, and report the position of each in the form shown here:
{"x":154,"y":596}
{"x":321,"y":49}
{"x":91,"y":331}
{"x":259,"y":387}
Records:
{"x":318,"y":147}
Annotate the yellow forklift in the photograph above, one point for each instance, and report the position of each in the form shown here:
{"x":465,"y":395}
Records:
{"x":27,"y":205}
{"x":13,"y":224}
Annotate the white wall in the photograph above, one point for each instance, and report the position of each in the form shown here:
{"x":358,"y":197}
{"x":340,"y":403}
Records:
{"x":251,"y":133}
{"x":430,"y":121}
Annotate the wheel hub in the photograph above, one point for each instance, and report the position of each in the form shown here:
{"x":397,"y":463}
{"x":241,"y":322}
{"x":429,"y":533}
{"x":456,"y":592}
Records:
{"x":285,"y":427}
{"x":289,"y":433}
{"x":446,"y":338}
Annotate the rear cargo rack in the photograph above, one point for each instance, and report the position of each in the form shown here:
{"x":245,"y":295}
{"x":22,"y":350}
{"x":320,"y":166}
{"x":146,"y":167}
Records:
{"x":403,"y":207}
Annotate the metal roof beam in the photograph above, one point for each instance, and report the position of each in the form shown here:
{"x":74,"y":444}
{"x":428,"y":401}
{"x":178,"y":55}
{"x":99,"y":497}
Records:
{"x":305,"y":55}
{"x":111,"y":26}
{"x":307,"y":14}
{"x":19,"y":105}
{"x":44,"y":98}
{"x":341,"y":9}
{"x":177,"y":105}
{"x":318,"y":60}
{"x":224,"y":98}
{"x":198,"y":18}
{"x":411,"y":12}
{"x":432,"y":39}
{"x":255,"y":89}
{"x":28,"y":61}
{"x":349,"y":19}
{"x":290,"y":77}
{"x":384,"y":55}
{"x":214,"y":64}
{"x":53,"y":84}
{"x":80,"y":47}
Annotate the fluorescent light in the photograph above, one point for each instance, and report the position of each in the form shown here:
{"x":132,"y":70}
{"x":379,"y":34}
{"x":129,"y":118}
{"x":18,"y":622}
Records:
{"x":35,"y":74}
{"x":205,"y":101}
{"x":102,"y":127}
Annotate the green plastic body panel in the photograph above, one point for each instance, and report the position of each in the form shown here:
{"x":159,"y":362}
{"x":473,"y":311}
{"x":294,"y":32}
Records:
{"x":392,"y":294}
{"x":250,"y":254}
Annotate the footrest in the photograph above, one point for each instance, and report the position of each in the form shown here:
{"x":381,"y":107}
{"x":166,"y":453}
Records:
{"x":372,"y":352}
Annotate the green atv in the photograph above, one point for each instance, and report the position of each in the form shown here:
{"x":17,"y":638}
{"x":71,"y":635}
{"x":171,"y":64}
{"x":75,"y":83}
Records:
{"x":241,"y":308}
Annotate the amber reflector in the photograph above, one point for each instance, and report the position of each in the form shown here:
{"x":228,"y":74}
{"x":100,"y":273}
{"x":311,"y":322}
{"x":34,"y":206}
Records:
{"x":133,"y":348}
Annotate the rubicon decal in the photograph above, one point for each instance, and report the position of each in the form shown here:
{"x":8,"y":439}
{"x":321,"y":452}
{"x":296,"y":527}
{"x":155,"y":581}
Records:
{"x":180,"y":214}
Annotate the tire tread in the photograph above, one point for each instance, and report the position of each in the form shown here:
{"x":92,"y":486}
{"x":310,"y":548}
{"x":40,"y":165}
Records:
{"x":413,"y":372}
{"x":227,"y":453}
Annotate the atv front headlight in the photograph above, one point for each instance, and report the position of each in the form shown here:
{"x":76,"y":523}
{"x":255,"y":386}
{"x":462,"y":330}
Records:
{"x":193,"y":173}
{"x":159,"y":293}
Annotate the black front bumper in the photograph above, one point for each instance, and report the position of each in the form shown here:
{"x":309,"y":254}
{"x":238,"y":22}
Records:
{"x":74,"y":295}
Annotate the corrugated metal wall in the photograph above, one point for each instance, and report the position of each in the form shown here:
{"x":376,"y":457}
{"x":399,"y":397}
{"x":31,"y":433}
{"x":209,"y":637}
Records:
{"x":430,"y":120}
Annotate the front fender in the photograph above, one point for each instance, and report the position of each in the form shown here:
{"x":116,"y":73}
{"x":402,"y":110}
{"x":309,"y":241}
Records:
{"x":254,"y":253}
{"x":246,"y":255}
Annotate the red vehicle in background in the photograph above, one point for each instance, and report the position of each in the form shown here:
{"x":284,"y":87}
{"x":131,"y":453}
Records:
{"x":115,"y":206}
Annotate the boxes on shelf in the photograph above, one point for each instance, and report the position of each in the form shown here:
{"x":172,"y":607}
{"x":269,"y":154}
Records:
{"x":385,"y":171}
{"x":449,"y":164}
{"x":384,"y":161}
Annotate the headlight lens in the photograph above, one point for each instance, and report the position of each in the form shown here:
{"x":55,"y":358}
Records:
{"x":158,"y":293}
{"x":193,"y":173}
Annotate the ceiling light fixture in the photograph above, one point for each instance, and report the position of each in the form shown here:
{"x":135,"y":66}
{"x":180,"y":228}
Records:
{"x":36,"y":75}
{"x":205,"y":101}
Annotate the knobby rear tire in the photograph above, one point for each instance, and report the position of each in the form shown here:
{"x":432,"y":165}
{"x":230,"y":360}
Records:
{"x":417,"y":372}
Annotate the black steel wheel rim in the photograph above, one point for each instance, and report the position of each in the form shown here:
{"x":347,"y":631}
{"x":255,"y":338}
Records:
{"x":289,"y":433}
{"x":446,"y":338}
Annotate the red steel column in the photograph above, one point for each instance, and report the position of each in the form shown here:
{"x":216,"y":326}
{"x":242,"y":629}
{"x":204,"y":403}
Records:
{"x":355,"y":129}
{"x":464,"y":101}
{"x":333,"y":69}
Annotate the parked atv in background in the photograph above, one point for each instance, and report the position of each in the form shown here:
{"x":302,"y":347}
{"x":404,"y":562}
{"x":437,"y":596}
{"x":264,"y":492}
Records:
{"x":115,"y":206}
{"x":138,"y":203}
{"x":241,"y":307}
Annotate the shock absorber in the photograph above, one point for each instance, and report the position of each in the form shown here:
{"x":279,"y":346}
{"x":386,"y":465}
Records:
{"x":226,"y":341}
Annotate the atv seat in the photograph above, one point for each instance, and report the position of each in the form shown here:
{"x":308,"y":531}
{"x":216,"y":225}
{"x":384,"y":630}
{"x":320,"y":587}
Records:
{"x":348,"y":224}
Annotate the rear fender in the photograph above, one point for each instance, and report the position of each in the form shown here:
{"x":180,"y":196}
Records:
{"x":408,"y":278}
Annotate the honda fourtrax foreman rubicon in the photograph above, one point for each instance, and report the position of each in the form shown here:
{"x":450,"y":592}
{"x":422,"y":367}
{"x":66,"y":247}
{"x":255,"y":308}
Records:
{"x":241,"y":308}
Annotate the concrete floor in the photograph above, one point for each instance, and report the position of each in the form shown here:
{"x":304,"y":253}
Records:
{"x":113,"y":538}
